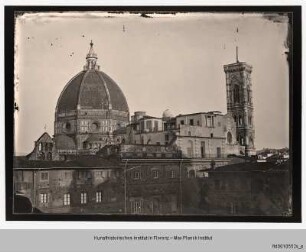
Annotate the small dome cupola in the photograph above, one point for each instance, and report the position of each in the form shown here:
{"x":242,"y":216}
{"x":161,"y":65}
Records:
{"x":91,"y":59}
{"x":167,"y":114}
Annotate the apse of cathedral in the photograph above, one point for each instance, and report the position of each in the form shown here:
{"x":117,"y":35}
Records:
{"x":92,"y":116}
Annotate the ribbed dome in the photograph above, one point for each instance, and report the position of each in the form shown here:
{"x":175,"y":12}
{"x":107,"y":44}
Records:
{"x":91,"y":89}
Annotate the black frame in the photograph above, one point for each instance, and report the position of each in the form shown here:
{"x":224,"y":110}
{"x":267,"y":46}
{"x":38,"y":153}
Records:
{"x":295,"y":74}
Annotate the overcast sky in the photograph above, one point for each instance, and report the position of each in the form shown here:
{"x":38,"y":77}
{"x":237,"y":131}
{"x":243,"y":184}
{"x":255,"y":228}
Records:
{"x":166,"y":62}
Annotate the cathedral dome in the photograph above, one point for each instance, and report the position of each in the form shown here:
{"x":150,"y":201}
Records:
{"x":91,"y":105}
{"x":91,"y":89}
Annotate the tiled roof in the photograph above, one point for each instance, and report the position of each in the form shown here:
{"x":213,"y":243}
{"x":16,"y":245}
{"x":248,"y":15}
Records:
{"x":80,"y":162}
{"x":92,"y":89}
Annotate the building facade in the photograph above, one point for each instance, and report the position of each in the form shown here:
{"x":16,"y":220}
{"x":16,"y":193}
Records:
{"x":83,"y":185}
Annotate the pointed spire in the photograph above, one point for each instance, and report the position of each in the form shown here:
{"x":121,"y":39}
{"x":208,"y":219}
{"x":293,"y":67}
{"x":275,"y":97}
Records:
{"x":237,"y":60}
{"x":91,"y":53}
{"x":91,"y":59}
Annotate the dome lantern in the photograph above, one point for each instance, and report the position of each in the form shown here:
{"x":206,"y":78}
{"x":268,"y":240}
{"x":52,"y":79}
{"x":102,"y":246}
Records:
{"x":91,"y":59}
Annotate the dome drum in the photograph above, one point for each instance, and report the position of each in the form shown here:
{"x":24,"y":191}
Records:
{"x":90,"y":103}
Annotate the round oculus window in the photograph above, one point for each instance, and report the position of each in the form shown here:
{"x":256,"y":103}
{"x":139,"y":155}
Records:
{"x":95,"y":126}
{"x":67,"y":126}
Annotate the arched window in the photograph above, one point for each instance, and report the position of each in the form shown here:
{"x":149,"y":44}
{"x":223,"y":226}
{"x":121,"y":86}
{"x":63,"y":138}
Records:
{"x":236,"y":120}
{"x":251,"y":141}
{"x":248,"y":95}
{"x":229,"y":137}
{"x":240,"y":120}
{"x":67,"y":126}
{"x":236,"y":94}
{"x":242,"y":141}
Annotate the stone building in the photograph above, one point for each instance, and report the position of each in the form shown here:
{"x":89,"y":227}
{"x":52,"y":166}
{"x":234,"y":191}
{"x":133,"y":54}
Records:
{"x":245,"y":189}
{"x":84,"y":185}
{"x":240,"y":103}
{"x":92,"y":112}
{"x":44,"y":148}
{"x":90,"y":107}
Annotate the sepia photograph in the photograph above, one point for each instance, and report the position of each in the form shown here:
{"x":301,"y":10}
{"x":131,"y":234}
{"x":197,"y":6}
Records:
{"x":153,"y":115}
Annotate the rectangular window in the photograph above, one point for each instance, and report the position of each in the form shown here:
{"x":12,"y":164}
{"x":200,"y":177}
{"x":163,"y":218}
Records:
{"x":67,"y":199}
{"x":203,"y":149}
{"x":142,"y":125}
{"x":149,"y":125}
{"x":166,"y":137}
{"x":98,"y":174}
{"x":84,"y":175}
{"x":136,"y":175}
{"x":98,"y":197}
{"x":191,"y":122}
{"x":109,"y":174}
{"x":173,"y":203}
{"x":43,"y":198}
{"x":233,"y":207}
{"x":218,"y":152}
{"x":84,"y":126}
{"x":155,"y":125}
{"x":208,"y":121}
{"x":136,"y":206}
{"x":172,"y":174}
{"x":44,"y":176}
{"x":155,"y":174}
{"x":182,"y":122}
{"x":83,"y":198}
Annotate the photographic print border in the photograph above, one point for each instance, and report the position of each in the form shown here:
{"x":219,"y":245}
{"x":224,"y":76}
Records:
{"x":295,"y":93}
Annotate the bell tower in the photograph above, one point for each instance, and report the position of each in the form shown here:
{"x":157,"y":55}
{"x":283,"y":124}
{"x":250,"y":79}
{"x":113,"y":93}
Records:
{"x":240,"y":102}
